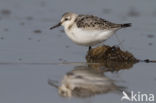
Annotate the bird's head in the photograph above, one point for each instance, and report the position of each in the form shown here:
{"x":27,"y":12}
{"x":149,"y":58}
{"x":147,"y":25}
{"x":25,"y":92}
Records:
{"x":66,"y":20}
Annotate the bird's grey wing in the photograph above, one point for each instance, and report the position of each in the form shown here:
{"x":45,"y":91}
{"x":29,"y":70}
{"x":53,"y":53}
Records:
{"x":94,"y":23}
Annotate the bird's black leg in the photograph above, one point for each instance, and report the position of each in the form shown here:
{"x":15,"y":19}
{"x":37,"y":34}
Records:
{"x":90,"y":48}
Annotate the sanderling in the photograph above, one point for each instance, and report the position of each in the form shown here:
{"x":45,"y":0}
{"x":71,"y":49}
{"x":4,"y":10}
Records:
{"x":88,"y":30}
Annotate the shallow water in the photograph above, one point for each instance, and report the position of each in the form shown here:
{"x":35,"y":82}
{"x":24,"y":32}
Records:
{"x":31,"y":55}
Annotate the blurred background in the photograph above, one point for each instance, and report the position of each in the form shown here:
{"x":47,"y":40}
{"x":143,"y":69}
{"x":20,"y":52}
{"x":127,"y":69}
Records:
{"x":25,"y":38}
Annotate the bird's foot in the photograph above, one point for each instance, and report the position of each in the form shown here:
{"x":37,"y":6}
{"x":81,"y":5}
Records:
{"x":89,"y":48}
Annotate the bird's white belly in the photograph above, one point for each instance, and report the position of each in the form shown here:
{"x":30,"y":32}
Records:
{"x":88,"y":37}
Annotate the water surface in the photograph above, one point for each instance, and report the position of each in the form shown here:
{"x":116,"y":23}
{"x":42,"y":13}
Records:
{"x":31,"y":54}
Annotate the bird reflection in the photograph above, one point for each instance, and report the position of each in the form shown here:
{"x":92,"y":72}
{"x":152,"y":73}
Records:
{"x":85,"y":81}
{"x":89,"y":80}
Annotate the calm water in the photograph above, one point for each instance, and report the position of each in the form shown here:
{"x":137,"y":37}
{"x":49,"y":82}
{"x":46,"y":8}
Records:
{"x":31,"y":55}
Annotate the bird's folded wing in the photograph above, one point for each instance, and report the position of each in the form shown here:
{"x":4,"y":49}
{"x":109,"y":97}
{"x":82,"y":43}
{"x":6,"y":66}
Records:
{"x":94,"y":23}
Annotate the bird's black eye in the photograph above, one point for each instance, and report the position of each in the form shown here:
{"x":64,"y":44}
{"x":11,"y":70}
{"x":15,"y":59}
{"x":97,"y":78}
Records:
{"x":66,"y":19}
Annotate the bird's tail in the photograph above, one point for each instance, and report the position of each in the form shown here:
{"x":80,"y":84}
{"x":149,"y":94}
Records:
{"x":126,"y":25}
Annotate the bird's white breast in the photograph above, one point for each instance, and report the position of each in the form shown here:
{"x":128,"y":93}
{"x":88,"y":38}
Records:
{"x":88,"y":37}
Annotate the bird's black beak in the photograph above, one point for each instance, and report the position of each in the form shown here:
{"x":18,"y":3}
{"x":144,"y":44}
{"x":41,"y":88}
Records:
{"x":57,"y":25}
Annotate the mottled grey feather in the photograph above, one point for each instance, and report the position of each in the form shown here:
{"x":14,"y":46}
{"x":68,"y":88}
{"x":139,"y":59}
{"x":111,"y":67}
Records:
{"x":94,"y":22}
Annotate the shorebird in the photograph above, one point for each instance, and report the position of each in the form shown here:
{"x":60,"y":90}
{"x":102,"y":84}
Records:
{"x":88,"y":30}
